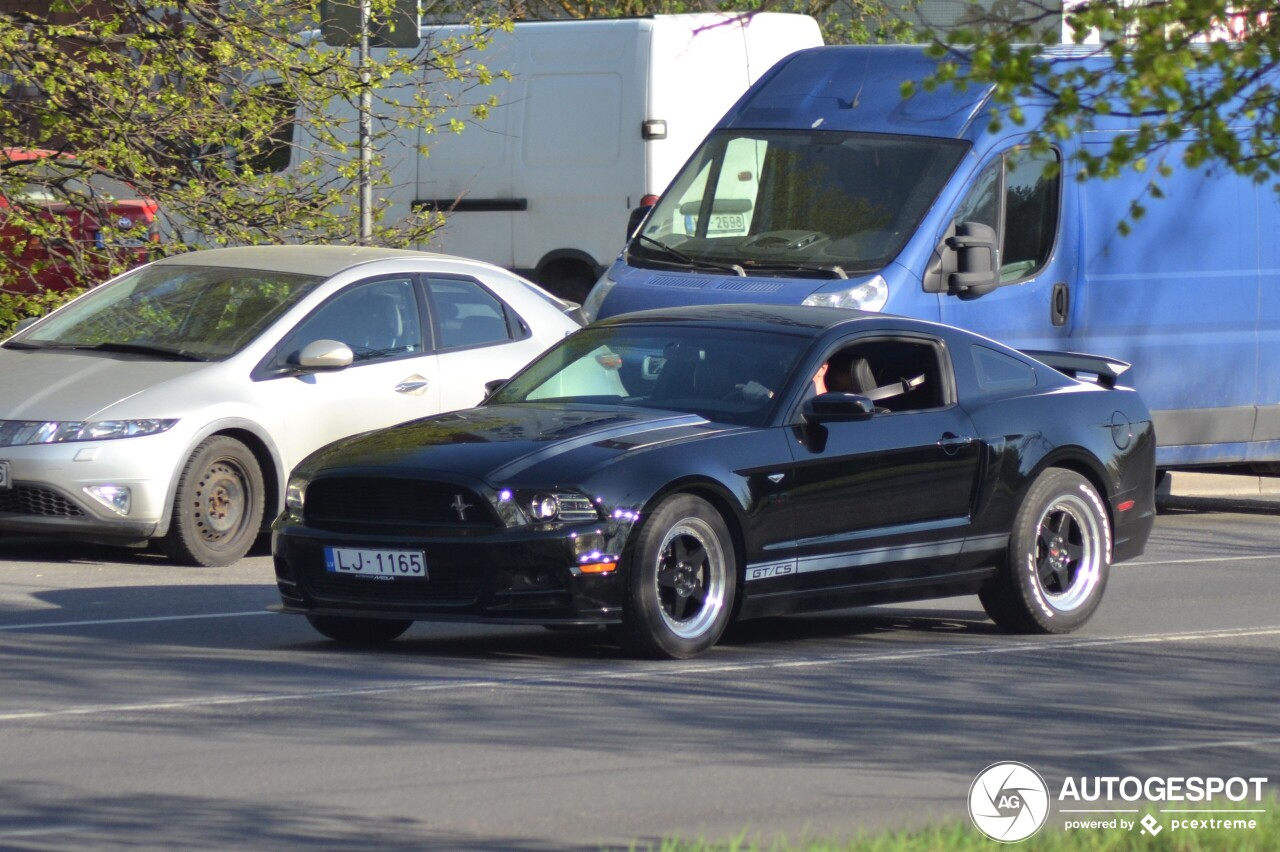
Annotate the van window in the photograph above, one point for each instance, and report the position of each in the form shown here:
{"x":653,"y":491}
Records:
{"x":787,"y":201}
{"x":1017,"y":197}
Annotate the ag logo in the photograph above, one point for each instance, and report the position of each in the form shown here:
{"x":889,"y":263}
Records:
{"x":1008,"y":802}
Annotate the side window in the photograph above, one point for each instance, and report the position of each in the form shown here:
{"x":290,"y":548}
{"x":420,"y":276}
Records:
{"x":1017,"y":196}
{"x":466,"y":314}
{"x":897,"y":375}
{"x":998,"y":372}
{"x":378,"y":320}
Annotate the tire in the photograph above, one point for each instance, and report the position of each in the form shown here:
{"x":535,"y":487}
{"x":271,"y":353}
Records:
{"x":359,"y":631}
{"x":1059,"y":558}
{"x":217,"y":510}
{"x":681,"y":581}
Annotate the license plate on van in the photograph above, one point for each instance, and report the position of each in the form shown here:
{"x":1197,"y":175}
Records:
{"x":4,"y":475}
{"x":409,"y":564}
{"x":722,"y":223}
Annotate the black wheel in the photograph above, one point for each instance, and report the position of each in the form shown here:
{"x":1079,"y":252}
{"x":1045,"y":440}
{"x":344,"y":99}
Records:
{"x":1059,"y":558}
{"x":363,"y":631}
{"x":217,"y":511}
{"x":681,"y":581}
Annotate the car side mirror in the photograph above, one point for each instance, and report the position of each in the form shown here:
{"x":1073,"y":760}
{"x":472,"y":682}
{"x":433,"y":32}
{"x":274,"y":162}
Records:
{"x":26,"y":323}
{"x":325,"y":355}
{"x":492,"y":387}
{"x":837,"y":408}
{"x":977,"y":260}
{"x":636,"y":219}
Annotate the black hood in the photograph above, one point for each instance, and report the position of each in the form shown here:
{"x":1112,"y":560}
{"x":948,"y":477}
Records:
{"x":496,"y":443}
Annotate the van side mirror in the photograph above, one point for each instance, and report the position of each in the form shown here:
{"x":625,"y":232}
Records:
{"x":837,"y":408}
{"x":636,"y":219}
{"x":977,"y":260}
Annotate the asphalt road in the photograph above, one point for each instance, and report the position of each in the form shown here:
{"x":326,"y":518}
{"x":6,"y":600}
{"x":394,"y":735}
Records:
{"x":148,"y":706}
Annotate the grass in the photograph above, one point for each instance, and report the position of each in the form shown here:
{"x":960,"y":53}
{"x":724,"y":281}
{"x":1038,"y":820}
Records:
{"x":961,"y":836}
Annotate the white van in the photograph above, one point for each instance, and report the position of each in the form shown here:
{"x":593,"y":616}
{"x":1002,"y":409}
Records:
{"x":599,"y":115}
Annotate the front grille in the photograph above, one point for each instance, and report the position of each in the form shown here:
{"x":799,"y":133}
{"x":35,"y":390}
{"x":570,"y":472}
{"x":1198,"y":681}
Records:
{"x":354,"y":504}
{"x":443,"y":587}
{"x":30,"y":500}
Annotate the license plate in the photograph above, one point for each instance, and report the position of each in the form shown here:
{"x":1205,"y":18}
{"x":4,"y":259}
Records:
{"x":376,"y":563}
{"x":722,"y":223}
{"x":4,"y":475}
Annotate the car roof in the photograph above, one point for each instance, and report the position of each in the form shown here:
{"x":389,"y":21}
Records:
{"x":319,"y":260}
{"x":810,"y":321}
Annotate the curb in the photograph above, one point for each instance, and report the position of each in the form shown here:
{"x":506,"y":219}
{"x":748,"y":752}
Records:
{"x":1181,"y":484}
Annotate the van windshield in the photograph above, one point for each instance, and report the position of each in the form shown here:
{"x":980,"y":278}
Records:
{"x":796,"y":202}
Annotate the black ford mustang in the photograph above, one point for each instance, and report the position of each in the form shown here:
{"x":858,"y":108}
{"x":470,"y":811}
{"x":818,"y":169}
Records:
{"x":666,"y":472}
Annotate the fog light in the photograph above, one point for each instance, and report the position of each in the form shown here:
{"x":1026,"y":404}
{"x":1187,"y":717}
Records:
{"x":117,"y":498}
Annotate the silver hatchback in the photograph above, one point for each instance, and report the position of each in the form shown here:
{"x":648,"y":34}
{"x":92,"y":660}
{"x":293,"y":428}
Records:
{"x":172,"y":402}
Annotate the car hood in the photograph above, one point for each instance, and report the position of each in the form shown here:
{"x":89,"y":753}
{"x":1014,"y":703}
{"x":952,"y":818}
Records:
{"x":45,"y":385}
{"x":555,"y":443}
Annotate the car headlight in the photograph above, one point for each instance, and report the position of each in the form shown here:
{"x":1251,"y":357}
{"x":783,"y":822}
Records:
{"x":870,"y":295}
{"x":591,"y":305}
{"x":295,"y":494}
{"x":16,"y":433}
{"x":541,"y":507}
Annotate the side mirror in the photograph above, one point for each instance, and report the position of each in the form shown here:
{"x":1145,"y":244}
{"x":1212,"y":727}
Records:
{"x":325,"y":355}
{"x":636,"y":219}
{"x":26,"y":323}
{"x":492,"y":387}
{"x":837,"y":408}
{"x":977,"y":260}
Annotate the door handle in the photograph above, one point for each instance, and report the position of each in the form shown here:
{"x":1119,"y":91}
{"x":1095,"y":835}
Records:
{"x":1060,"y":305}
{"x":951,"y":442}
{"x":413,"y":385}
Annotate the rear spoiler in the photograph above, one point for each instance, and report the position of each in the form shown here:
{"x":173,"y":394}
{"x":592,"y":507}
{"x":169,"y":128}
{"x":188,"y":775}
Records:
{"x":1095,"y":368}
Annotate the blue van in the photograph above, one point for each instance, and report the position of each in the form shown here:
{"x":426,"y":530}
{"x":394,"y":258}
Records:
{"x":824,"y":186}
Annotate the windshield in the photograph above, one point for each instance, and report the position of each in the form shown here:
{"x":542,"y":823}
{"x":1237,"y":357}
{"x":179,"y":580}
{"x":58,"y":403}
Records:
{"x":195,"y":312}
{"x":725,"y":375}
{"x":789,"y":201}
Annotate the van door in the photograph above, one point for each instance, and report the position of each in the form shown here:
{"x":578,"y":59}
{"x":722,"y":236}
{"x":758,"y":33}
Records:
{"x":1179,"y":298}
{"x":1022,"y":197}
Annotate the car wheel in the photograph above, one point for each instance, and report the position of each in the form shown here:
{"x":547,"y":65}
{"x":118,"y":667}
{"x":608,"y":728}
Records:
{"x":1059,"y":558}
{"x":217,"y":511}
{"x":681,"y":581}
{"x":363,"y":631}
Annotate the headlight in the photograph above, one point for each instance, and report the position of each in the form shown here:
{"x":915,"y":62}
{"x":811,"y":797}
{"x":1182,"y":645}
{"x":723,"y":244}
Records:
{"x":591,"y":305}
{"x":868,"y":296}
{"x":295,"y":494}
{"x":560,"y":506}
{"x":15,"y":433}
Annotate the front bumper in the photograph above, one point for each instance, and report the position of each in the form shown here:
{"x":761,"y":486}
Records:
{"x":514,"y":576}
{"x":48,"y":486}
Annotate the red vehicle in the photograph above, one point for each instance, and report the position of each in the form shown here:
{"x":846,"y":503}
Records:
{"x":64,"y":223}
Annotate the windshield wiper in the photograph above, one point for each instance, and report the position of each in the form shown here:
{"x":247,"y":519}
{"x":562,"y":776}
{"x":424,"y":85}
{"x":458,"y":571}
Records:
{"x":130,"y":348}
{"x":688,"y":261}
{"x":832,"y":270}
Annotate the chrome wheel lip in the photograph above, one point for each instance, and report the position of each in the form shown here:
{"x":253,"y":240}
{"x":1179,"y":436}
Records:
{"x":1086,"y":573}
{"x":712,"y":577}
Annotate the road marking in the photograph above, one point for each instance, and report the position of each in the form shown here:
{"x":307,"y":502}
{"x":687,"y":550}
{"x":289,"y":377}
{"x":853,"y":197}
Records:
{"x":143,"y":620}
{"x":1200,"y":561}
{"x":589,"y":679}
{"x":1182,"y":747}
